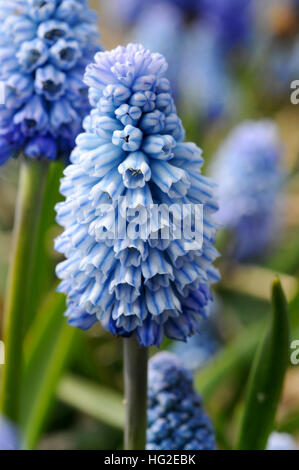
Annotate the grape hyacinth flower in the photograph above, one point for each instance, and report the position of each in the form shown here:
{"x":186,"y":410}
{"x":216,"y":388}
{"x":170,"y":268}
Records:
{"x":131,"y":159}
{"x":231,"y":21}
{"x":44,"y":49}
{"x":9,"y":437}
{"x":176,"y":418}
{"x":247,"y":169}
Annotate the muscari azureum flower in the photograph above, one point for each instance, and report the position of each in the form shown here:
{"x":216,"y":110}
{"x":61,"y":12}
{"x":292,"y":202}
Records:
{"x":132,"y":158}
{"x":176,"y":417}
{"x":44,"y":49}
{"x":247,"y":169}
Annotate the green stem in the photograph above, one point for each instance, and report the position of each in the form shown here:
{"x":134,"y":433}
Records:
{"x":135,"y":380}
{"x":30,"y":194}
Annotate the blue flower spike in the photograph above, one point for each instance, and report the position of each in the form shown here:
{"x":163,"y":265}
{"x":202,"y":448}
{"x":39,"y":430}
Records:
{"x":176,"y":417}
{"x":248,"y":170}
{"x":131,"y":160}
{"x":44,"y":49}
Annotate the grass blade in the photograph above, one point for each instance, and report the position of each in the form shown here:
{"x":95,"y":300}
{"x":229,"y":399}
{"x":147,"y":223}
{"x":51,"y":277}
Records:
{"x":49,"y":348}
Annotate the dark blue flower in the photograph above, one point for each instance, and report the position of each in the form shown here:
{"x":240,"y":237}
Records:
{"x":231,"y":21}
{"x":41,"y":147}
{"x":44,"y":49}
{"x":132,"y":160}
{"x":176,"y":417}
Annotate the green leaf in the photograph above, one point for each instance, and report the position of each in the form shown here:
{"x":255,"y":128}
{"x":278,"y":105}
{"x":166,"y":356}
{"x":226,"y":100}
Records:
{"x":93,"y":399}
{"x":266,"y":377}
{"x":48,"y":350}
{"x":232,"y":360}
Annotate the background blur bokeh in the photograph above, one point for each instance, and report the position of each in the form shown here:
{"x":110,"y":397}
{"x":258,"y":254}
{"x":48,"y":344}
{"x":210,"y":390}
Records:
{"x":228,"y":64}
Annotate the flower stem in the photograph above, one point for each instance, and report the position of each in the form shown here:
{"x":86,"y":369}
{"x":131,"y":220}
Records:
{"x":31,"y":187}
{"x":135,"y":381}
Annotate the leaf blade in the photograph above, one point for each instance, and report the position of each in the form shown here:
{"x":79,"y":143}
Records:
{"x":93,"y":399}
{"x":266,"y":377}
{"x":49,"y":349}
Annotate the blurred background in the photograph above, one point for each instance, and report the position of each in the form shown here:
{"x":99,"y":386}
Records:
{"x":231,"y":64}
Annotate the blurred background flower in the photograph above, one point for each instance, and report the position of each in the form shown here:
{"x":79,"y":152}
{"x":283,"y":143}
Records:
{"x":247,"y":168}
{"x":176,"y":417}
